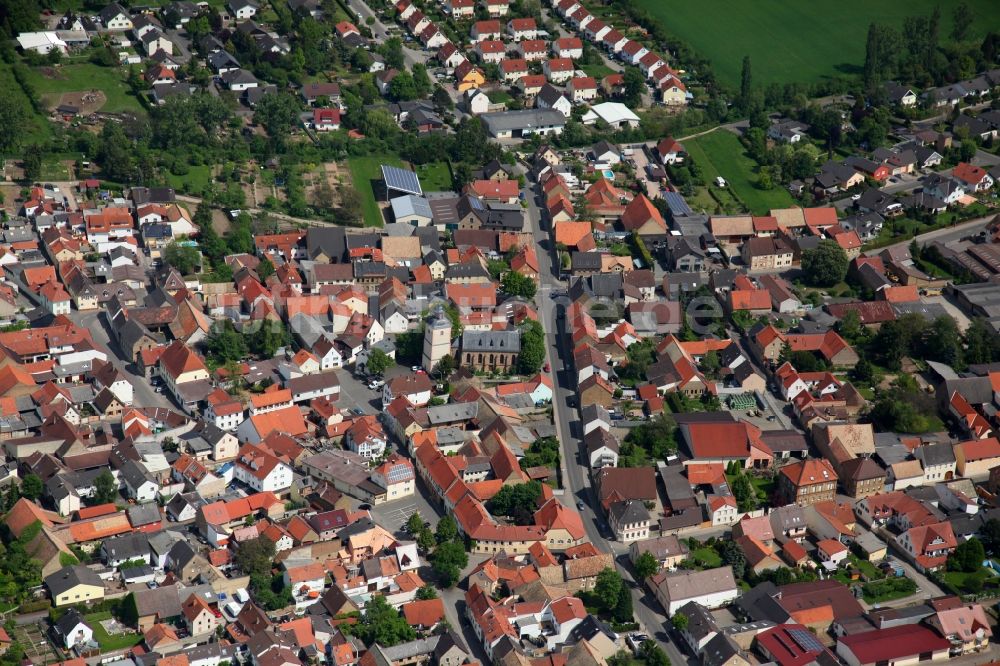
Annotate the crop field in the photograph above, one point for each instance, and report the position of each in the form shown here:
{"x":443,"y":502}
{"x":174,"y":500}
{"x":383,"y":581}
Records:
{"x":796,"y":41}
{"x":721,"y":154}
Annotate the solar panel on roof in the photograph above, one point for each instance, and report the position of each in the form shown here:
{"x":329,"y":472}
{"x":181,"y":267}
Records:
{"x":401,"y":180}
{"x":399,"y":472}
{"x":806,"y":640}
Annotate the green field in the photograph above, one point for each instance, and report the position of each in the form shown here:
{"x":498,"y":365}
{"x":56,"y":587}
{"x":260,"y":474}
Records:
{"x":194,"y":181}
{"x":795,"y":41}
{"x":86,"y":76}
{"x":366,"y":174}
{"x":435,"y":177}
{"x":721,"y":154}
{"x":107,"y":642}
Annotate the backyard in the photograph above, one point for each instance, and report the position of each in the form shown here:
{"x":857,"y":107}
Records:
{"x":720,"y":153}
{"x":52,"y":82}
{"x":803,"y":42}
{"x":194,"y":181}
{"x":366,"y":173}
{"x":119,"y":640}
{"x":434,"y":177}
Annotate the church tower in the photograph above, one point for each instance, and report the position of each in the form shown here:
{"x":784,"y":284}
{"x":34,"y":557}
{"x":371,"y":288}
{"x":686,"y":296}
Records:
{"x":437,"y":339}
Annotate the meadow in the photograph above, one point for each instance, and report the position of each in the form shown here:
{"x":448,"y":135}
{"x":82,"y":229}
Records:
{"x":720,"y":153}
{"x":802,"y":42}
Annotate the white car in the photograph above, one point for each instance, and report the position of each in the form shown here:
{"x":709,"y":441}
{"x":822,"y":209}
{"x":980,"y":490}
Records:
{"x":720,"y":181}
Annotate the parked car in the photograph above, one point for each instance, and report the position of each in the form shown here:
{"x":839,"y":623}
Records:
{"x":635,"y":641}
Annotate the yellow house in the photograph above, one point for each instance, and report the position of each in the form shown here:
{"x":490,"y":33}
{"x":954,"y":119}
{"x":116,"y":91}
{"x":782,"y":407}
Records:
{"x":74,"y":585}
{"x":975,"y":458}
{"x":468,"y":76}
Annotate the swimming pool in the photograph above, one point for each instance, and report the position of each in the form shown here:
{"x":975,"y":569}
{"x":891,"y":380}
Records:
{"x":609,"y":174}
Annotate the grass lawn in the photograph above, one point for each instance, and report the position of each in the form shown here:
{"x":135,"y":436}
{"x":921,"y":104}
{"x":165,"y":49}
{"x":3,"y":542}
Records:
{"x":959,"y":580}
{"x":366,"y":173}
{"x":706,"y":557}
{"x":888,"y":589}
{"x":598,"y":71}
{"x":500,"y":96}
{"x":763,"y":486}
{"x":435,"y":177}
{"x":194,"y":181}
{"x":87,"y":76}
{"x":721,"y":154}
{"x":796,"y":42}
{"x":107,"y":642}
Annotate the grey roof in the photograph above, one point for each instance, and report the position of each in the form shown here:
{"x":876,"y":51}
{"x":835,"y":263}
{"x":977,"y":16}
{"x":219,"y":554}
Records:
{"x":69,"y":577}
{"x":411,"y":205}
{"x":549,"y":95}
{"x":700,"y":624}
{"x":631,"y":511}
{"x":143,"y":514}
{"x":719,"y":650}
{"x":163,"y":602}
{"x":68,"y":622}
{"x":588,"y":261}
{"x":936,"y":454}
{"x":491,"y":341}
{"x":594,"y":412}
{"x":126,"y":547}
{"x":452,"y":412}
{"x":134,"y":475}
{"x":599,"y":437}
{"x":526,"y":119}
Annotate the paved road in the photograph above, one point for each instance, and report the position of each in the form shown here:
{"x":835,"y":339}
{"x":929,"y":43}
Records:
{"x":944,"y":236}
{"x":143,"y":393}
{"x":381,"y":33}
{"x":575,"y":478}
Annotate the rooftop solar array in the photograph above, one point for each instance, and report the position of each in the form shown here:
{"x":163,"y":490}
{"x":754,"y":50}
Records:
{"x":401,"y":180}
{"x":806,"y":640}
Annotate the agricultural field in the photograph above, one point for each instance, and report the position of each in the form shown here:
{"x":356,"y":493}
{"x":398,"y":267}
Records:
{"x":366,"y":174}
{"x":720,"y":153}
{"x":57,"y":85}
{"x":801,"y":42}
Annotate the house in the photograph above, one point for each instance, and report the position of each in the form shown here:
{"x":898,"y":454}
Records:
{"x":550,"y":97}
{"x":558,"y":70}
{"x":712,"y":588}
{"x":568,"y":47}
{"x":629,"y":521}
{"x":532,"y":50}
{"x":975,"y":458}
{"x":767,"y":253}
{"x":831,"y":552}
{"x":642,"y":218}
{"x":602,"y":448}
{"x":71,"y":630}
{"x":523,"y":123}
{"x":242,"y":10}
{"x":414,"y":387}
{"x":468,"y":76}
{"x":668,"y":550}
{"x":198,"y":616}
{"x":928,"y":546}
{"x":325,"y":120}
{"x":787,"y":131}
{"x":973,"y":178}
{"x":522,"y":28}
{"x":115,"y":18}
{"x":670,"y":151}
{"x":897,"y":645}
{"x":583,"y":88}
{"x":261,"y":470}
{"x":807,"y":482}
{"x":900,"y":95}
{"x":74,"y":585}
{"x":963,"y":624}
{"x":944,"y":188}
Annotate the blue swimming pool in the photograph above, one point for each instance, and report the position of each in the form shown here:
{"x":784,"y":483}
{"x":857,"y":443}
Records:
{"x":609,"y":174}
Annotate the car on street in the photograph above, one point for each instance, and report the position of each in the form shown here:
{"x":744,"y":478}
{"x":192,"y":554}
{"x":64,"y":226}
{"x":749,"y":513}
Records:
{"x":357,"y":411}
{"x":580,"y":506}
{"x":547,"y":367}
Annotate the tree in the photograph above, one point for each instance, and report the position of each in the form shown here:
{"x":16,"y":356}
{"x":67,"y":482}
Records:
{"x":378,"y":362}
{"x":532,"y":354}
{"x":442,"y":100}
{"x":733,"y":556}
{"x":445,"y":366}
{"x":255,"y":556}
{"x":31,"y":486}
{"x":448,"y":560}
{"x":825,"y":265}
{"x":381,"y":623}
{"x":426,"y":593}
{"x":744,"y":492}
{"x":277,"y":114}
{"x":623,"y":608}
{"x":515,"y":284}
{"x":646,"y":565}
{"x":265,"y":269}
{"x":653,"y":655}
{"x":680,"y":621}
{"x":746,"y":81}
{"x":426,"y":540}
{"x":32,"y":163}
{"x":967,"y":150}
{"x":990,"y":536}
{"x":850,"y":327}
{"x":414,"y":524}
{"x":518,"y":501}
{"x":635,"y":85}
{"x":224,"y":343}
{"x":267,"y":339}
{"x":12,"y":120}
{"x":962,"y":20}
{"x":968,"y":556}
{"x":185,"y":258}
{"x":402,"y":88}
{"x":447,"y":530}
{"x":607,"y":587}
{"x":105,"y":487}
